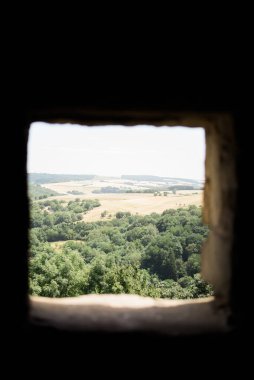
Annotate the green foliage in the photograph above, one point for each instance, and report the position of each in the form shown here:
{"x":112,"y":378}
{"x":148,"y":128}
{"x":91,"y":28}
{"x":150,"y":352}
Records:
{"x":122,"y":214}
{"x":193,"y":265}
{"x":185,"y":281}
{"x":160,"y":256}
{"x":144,"y":234}
{"x":171,"y":289}
{"x":104,"y":213}
{"x":57,"y":274}
{"x":50,"y":213}
{"x":36,"y":191}
{"x":200,"y":288}
{"x":153,"y":255}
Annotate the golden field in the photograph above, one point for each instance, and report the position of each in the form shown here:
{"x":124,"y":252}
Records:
{"x":135,"y":203}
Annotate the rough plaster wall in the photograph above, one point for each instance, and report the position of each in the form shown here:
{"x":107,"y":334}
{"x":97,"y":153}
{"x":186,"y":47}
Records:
{"x":220,"y":186}
{"x":220,"y":195}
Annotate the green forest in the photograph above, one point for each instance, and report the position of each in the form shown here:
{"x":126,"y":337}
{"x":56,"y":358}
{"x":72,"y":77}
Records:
{"x":156,"y":255}
{"x":38,"y":192}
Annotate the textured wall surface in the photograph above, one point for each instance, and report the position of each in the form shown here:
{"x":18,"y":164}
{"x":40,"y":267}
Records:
{"x":156,"y":108}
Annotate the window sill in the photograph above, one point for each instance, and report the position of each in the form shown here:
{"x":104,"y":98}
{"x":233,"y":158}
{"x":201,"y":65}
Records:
{"x":129,"y":313}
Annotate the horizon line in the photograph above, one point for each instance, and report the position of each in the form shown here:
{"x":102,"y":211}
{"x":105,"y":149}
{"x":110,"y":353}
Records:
{"x":118,"y":176}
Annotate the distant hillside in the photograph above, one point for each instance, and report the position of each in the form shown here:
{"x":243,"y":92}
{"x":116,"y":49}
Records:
{"x":36,"y":191}
{"x":143,"y":178}
{"x":193,"y":181}
{"x":40,"y":178}
{"x":181,"y":187}
{"x":154,"y":178}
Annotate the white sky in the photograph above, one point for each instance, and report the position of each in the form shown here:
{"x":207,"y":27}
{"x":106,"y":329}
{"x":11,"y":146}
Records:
{"x":116,"y":150}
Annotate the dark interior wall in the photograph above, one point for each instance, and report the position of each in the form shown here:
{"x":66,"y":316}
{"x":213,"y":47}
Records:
{"x":242,"y":291}
{"x":16,"y":221}
{"x":205,"y":98}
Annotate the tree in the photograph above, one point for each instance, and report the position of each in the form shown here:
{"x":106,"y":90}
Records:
{"x":159,"y":257}
{"x":171,"y":289}
{"x":199,"y":288}
{"x":193,"y":265}
{"x":122,"y":214}
{"x":129,"y":279}
{"x":57,"y":274}
{"x":186,"y":281}
{"x":96,"y":279}
{"x":144,"y":234}
{"x":153,"y":255}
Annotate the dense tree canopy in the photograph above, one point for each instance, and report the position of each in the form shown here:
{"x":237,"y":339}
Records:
{"x":155,"y":255}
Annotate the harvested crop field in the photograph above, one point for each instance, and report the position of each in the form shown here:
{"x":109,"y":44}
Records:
{"x":140,"y":203}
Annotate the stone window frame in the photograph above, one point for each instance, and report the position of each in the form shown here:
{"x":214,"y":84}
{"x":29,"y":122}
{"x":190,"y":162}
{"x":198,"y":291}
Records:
{"x":114,"y":313}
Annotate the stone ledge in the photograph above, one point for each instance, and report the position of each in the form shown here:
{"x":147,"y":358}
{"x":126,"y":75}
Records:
{"x":129,"y":313}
